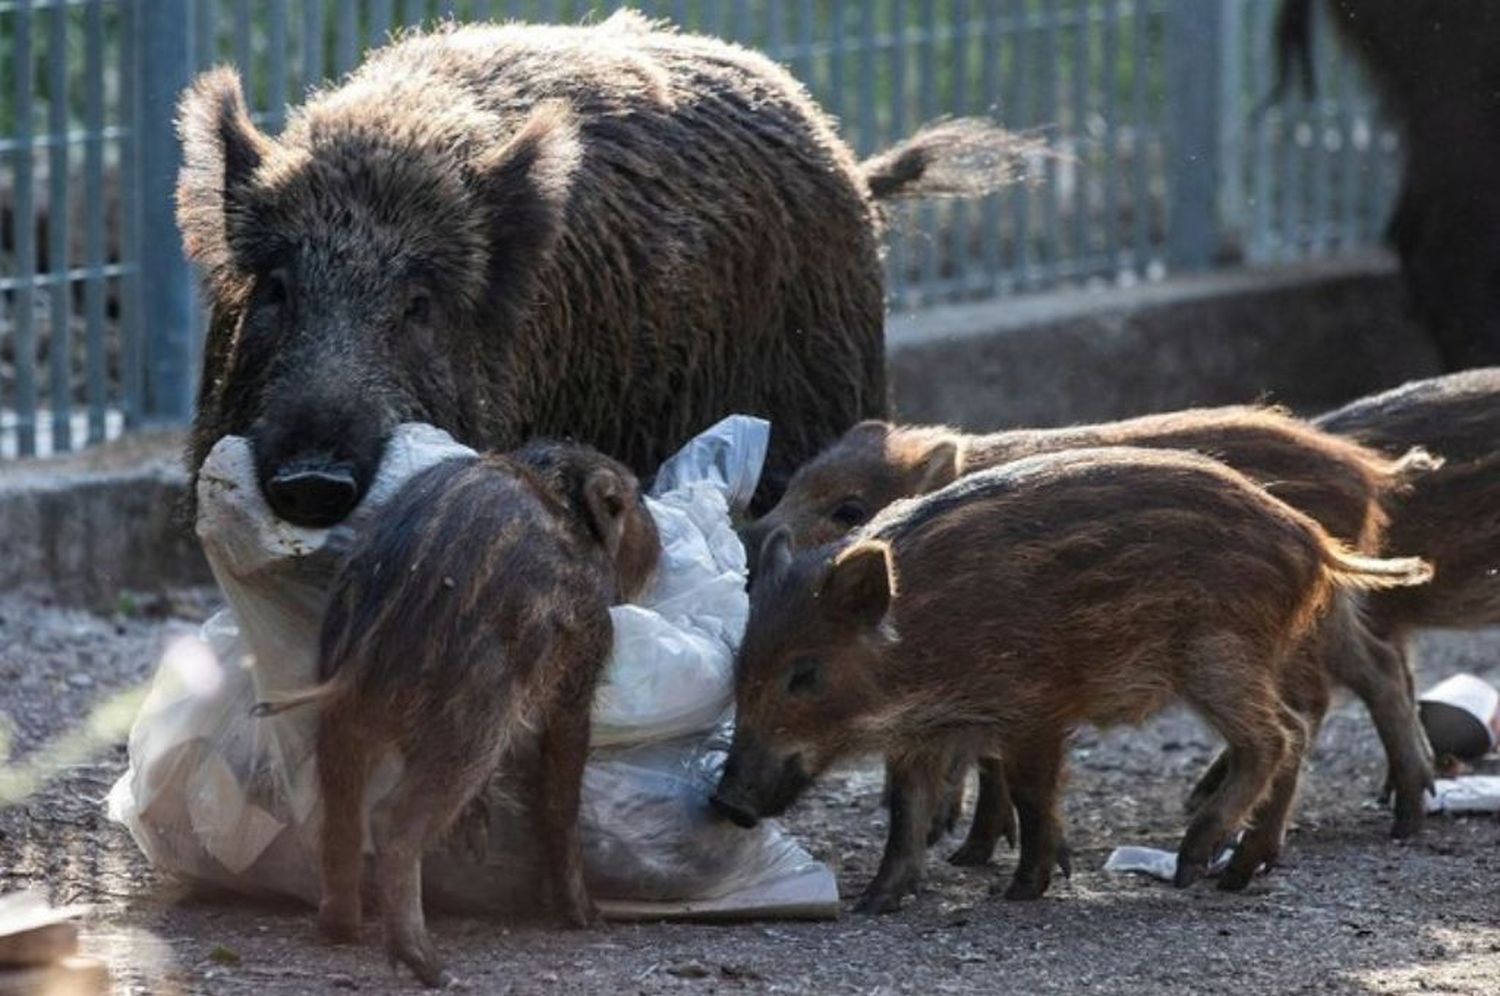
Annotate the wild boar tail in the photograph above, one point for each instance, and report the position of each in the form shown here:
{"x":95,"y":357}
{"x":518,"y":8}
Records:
{"x":275,"y":705}
{"x":1353,"y":570}
{"x":964,"y":157}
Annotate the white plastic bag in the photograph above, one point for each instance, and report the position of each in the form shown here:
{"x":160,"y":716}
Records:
{"x":215,"y":796}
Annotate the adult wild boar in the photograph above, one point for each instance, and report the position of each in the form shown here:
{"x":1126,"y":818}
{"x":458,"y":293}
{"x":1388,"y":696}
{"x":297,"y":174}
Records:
{"x":613,"y":233}
{"x":1436,"y":65}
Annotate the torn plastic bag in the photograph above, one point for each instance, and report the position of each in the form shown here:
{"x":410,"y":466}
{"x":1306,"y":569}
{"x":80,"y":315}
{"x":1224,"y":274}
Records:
{"x":215,"y":796}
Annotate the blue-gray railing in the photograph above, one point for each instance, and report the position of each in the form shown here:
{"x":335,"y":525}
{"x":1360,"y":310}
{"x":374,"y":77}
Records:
{"x":1164,"y":162}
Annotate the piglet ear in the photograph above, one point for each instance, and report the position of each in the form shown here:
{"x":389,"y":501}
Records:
{"x":221,"y":150}
{"x":860,"y":583}
{"x":525,"y":186}
{"x":607,"y":498}
{"x":938,"y":468}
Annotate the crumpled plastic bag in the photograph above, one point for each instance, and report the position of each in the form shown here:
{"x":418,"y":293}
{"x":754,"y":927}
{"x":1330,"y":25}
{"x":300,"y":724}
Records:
{"x":215,"y":796}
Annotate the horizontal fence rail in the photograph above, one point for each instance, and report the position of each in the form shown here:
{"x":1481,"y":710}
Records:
{"x":1164,"y":156}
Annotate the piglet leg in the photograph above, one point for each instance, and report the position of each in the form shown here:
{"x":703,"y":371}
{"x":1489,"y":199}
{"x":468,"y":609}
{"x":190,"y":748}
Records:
{"x":915,"y":784}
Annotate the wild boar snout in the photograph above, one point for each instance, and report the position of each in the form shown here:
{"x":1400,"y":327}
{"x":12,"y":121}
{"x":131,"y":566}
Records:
{"x":316,"y":460}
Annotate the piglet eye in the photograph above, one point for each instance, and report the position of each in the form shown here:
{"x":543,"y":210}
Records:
{"x":805,"y":678}
{"x":419,"y":307}
{"x":849,"y":513}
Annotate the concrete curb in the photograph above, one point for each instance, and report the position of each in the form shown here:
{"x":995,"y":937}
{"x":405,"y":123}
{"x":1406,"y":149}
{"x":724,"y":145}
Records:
{"x":91,"y":527}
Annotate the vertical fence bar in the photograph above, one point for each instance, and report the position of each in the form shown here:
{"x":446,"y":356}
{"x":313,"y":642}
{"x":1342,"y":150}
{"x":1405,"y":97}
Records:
{"x":25,"y":227}
{"x":838,"y":48}
{"x":346,"y":37}
{"x":1265,"y":193}
{"x":1320,"y":228}
{"x":869,"y":138}
{"x":165,"y":69}
{"x":276,"y":53}
{"x":1140,"y":174}
{"x":927,"y":102}
{"x":1230,"y":200}
{"x":989,"y":85}
{"x":956,"y":239}
{"x":898,"y":259}
{"x":1195,"y":41}
{"x":1110,"y":72}
{"x":60,"y":344}
{"x":806,"y":66}
{"x":1023,"y":116}
{"x":1083,"y":145}
{"x":244,"y":49}
{"x":312,"y":42}
{"x":132,"y":349}
{"x":206,"y":47}
{"x":1051,"y":93}
{"x":93,"y":213}
{"x":1349,"y":232}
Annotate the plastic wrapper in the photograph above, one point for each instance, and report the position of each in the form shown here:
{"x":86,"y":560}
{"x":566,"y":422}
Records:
{"x":1155,"y":862}
{"x":1468,"y":794}
{"x":215,"y":796}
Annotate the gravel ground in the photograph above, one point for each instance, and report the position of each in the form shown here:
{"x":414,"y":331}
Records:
{"x":1351,"y":912}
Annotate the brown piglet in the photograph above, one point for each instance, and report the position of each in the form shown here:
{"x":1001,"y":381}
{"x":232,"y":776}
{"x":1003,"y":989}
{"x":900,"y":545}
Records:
{"x":1346,"y":487}
{"x":998,"y":614}
{"x":1450,"y":516}
{"x":465,"y":634}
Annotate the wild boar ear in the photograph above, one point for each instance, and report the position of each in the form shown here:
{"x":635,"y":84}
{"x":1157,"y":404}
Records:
{"x":938,"y":467}
{"x":775,"y":552}
{"x":872,"y":429}
{"x":859,"y":583}
{"x":221,"y":150}
{"x":607,"y":498}
{"x":525,"y":186}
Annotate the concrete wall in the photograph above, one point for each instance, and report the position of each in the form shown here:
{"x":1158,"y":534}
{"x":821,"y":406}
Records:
{"x":1310,"y":337}
{"x":108,"y":521}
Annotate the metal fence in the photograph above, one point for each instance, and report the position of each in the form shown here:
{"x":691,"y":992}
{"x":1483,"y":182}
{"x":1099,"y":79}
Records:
{"x":1166,"y":164}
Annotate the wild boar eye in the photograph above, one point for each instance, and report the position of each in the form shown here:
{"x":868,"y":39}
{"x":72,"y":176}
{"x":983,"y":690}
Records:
{"x":849,"y":513}
{"x":805,"y":678}
{"x":419,"y":307}
{"x":276,"y":292}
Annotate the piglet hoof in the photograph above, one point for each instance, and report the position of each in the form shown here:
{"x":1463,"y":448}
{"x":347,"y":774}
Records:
{"x":423,"y":961}
{"x":1187,"y":873}
{"x":1411,"y":816}
{"x":972,"y":854}
{"x":875,"y":901}
{"x":1238,"y":874}
{"x":1027,"y":886}
{"x":1065,"y":861}
{"x":339,"y":922}
{"x":580,"y":913}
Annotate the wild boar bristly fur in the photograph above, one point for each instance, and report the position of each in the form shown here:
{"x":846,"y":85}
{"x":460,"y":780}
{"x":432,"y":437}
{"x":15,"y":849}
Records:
{"x":615,"y":233}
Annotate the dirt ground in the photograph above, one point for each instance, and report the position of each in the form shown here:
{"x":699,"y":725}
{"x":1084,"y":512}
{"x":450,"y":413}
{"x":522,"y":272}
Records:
{"x":1351,"y":912}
